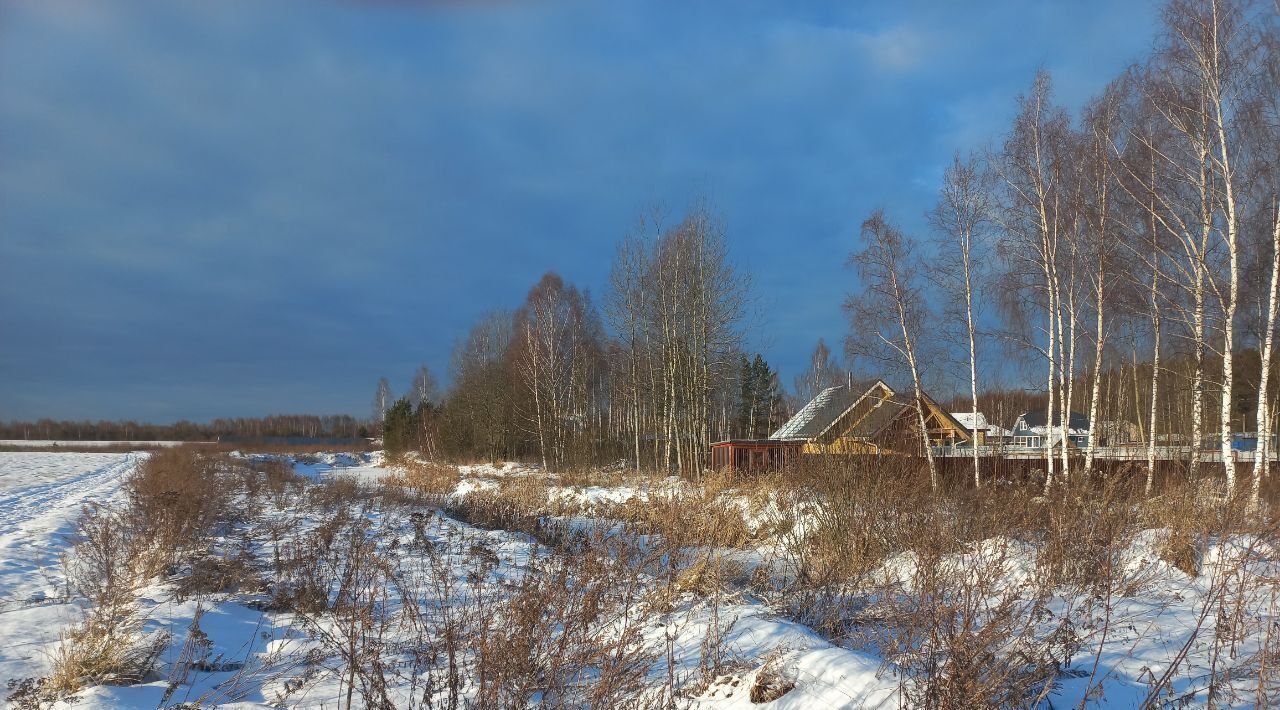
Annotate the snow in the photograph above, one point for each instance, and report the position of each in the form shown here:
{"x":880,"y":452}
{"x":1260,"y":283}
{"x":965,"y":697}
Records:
{"x":971,"y":420}
{"x":41,"y":494}
{"x":317,"y":467}
{"x":497,"y":470}
{"x":254,"y":654}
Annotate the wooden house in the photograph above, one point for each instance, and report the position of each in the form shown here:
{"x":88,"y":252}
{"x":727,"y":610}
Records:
{"x":866,"y":418}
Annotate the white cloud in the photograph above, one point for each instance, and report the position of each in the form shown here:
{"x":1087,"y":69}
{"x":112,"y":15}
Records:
{"x":894,"y":49}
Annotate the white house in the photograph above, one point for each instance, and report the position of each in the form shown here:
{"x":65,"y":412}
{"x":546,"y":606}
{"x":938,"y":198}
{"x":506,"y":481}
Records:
{"x":1032,"y":430}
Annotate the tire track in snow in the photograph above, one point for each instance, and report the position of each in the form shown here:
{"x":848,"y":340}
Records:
{"x":36,"y":519}
{"x":27,"y":505}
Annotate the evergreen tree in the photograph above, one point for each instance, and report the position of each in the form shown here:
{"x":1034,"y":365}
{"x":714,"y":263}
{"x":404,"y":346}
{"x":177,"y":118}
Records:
{"x":746,"y":398}
{"x":760,"y":406}
{"x":399,"y":429}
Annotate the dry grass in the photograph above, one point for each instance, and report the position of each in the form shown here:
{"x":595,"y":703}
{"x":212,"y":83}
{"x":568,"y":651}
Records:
{"x":432,"y":479}
{"x":709,"y":574}
{"x":94,"y":653}
{"x":950,"y":586}
{"x":176,"y":500}
{"x":770,"y":684}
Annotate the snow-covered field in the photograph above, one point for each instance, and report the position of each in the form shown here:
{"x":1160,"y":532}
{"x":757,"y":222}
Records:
{"x":41,"y":494}
{"x":254,"y":654}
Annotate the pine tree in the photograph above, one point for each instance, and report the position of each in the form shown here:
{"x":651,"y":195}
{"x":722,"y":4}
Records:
{"x":398,"y":427}
{"x":746,"y":398}
{"x":760,"y":398}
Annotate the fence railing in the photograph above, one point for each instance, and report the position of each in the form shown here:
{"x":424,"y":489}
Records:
{"x":1113,"y":453}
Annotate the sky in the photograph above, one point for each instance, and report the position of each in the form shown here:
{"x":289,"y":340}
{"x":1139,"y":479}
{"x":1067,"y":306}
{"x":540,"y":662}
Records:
{"x":241,"y":208}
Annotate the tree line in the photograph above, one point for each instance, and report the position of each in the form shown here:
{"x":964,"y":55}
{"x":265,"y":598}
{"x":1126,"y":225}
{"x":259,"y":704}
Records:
{"x":652,"y":377}
{"x":338,"y":426}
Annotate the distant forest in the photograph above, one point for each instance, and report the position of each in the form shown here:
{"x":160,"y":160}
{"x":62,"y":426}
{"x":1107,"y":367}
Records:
{"x":340,"y":426}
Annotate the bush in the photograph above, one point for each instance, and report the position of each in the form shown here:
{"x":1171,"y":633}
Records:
{"x":177,"y":498}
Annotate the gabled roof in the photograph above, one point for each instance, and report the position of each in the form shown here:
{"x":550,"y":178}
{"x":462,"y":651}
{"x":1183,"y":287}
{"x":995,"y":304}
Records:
{"x":971,"y":420}
{"x":977,"y":421}
{"x":888,"y":413}
{"x":1037,"y":418}
{"x":883,"y":413}
{"x":945,"y":417}
{"x":816,"y":417}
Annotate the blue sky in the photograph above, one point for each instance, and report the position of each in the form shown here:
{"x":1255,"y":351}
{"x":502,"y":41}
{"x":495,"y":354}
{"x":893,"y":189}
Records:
{"x":239,"y":208}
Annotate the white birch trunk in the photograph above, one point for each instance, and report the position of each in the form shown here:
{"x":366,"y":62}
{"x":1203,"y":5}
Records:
{"x":1262,"y":455}
{"x":973,"y":358}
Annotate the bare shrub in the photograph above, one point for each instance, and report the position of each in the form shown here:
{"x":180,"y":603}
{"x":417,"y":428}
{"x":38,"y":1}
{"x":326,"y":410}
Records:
{"x":104,"y":649}
{"x":686,"y":516}
{"x":109,"y":561}
{"x":336,"y":493}
{"x":969,"y":632}
{"x":31,"y":694}
{"x":519,"y":505}
{"x":432,"y":479}
{"x":234,"y":571}
{"x":177,"y":497}
{"x":770,"y":684}
{"x":111,"y":557}
{"x":1085,"y":530}
{"x":857,"y":515}
{"x":279,"y":478}
{"x":549,"y":637}
{"x":709,"y":575}
{"x":564,"y":630}
{"x":1189,"y":513}
{"x":306,"y":566}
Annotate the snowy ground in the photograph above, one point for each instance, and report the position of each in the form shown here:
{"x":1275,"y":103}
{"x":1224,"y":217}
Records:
{"x":261,"y":658}
{"x":41,"y":494}
{"x":258,"y":652}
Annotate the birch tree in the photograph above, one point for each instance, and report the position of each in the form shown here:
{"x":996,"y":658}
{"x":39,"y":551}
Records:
{"x":888,"y":313}
{"x":1102,"y":132}
{"x":424,"y":387}
{"x":1262,"y":455}
{"x":1201,"y":66}
{"x":626,"y":307}
{"x":678,"y":304}
{"x":1146,"y":247}
{"x":479,"y":412}
{"x":1266,"y":132}
{"x":822,"y":373}
{"x":381,"y":402}
{"x":1032,"y":220}
{"x":554,"y":349}
{"x":960,"y":220}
